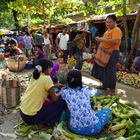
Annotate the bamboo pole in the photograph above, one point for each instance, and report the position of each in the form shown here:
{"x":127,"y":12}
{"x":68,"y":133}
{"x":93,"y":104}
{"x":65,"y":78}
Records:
{"x":133,"y":38}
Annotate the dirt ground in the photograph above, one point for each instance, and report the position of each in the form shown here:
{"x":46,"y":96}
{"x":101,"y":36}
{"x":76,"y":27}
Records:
{"x":10,"y":117}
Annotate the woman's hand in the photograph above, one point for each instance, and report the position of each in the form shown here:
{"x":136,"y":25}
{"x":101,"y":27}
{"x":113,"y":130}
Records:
{"x":54,"y":96}
{"x":94,"y":51}
{"x":59,"y":85}
{"x":98,"y":39}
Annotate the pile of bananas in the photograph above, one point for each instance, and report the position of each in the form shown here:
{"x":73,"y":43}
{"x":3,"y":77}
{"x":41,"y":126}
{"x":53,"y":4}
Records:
{"x":128,"y":78}
{"x":71,"y":62}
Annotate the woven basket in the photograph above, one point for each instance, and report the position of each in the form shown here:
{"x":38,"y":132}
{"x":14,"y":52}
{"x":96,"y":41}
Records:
{"x":15,"y":65}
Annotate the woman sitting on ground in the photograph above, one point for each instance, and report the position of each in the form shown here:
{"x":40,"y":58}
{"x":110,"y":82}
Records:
{"x":33,"y":110}
{"x":39,"y":54}
{"x":135,"y":68}
{"x":12,"y":50}
{"x":83,"y":119}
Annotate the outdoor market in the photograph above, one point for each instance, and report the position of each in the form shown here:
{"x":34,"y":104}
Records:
{"x":70,"y":70}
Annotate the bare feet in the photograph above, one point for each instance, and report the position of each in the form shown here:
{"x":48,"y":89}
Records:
{"x":111,"y":91}
{"x":101,"y":87}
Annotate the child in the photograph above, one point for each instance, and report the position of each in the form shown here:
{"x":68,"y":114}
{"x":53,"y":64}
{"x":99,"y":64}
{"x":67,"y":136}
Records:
{"x":12,"y":50}
{"x":39,"y":54}
{"x":54,"y":71}
{"x":136,"y":65}
{"x":83,"y":120}
{"x":32,"y":107}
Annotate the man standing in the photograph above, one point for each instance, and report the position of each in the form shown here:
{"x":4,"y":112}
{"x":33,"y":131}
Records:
{"x":80,"y":40}
{"x":27,"y":44}
{"x":61,"y":43}
{"x":48,"y":43}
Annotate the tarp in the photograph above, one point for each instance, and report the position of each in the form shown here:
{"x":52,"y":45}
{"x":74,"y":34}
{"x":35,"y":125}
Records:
{"x":4,"y":31}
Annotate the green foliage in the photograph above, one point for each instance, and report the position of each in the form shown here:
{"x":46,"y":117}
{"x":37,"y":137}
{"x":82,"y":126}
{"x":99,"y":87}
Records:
{"x":55,"y":11}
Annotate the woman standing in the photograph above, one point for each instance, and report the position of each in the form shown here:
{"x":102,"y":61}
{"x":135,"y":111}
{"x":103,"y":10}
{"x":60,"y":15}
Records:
{"x":110,"y":44}
{"x":48,"y":42}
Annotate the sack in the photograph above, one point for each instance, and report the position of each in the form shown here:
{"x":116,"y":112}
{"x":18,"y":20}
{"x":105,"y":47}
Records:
{"x":102,"y":56}
{"x":10,"y":90}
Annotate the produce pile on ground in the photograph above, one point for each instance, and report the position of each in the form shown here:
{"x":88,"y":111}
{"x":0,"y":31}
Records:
{"x":125,"y":121}
{"x":87,"y":67}
{"x":23,"y":79}
{"x":71,"y":62}
{"x":128,"y":78}
{"x":124,"y":124}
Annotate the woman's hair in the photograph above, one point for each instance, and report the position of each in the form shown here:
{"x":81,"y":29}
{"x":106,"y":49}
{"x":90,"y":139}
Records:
{"x":113,"y":17}
{"x":74,"y":78}
{"x":27,"y":33}
{"x":12,"y":42}
{"x":42,"y":66}
{"x":40,"y":47}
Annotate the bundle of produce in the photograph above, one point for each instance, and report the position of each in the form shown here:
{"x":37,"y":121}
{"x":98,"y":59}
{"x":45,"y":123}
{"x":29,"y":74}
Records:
{"x":24,"y":130}
{"x":10,"y":76}
{"x":59,"y":132}
{"x":60,"y":60}
{"x":11,"y":79}
{"x":71,"y":62}
{"x":87,"y":67}
{"x":125,"y":121}
{"x":10,"y":90}
{"x":128,"y":78}
{"x":87,"y":56}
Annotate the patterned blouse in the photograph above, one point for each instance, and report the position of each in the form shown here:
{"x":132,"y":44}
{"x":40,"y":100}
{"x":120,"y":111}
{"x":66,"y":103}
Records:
{"x":82,"y":117}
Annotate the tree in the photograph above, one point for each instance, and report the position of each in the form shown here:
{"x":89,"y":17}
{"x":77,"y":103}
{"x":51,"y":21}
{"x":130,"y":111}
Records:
{"x":124,"y":8}
{"x":48,"y":11}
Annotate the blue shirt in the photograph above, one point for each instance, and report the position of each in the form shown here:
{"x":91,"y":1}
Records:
{"x":93,"y":31}
{"x":82,"y":117}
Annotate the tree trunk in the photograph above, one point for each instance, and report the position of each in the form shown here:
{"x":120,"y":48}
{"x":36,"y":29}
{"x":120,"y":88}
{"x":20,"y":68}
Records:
{"x":125,"y":23}
{"x":134,"y":38}
{"x":29,"y":21}
{"x":15,"y":14}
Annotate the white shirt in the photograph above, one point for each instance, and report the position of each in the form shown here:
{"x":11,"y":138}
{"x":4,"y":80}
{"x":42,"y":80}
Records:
{"x":63,"y":41}
{"x":47,"y":40}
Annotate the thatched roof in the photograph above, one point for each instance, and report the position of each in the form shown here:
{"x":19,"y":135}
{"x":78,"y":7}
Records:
{"x":99,"y":18}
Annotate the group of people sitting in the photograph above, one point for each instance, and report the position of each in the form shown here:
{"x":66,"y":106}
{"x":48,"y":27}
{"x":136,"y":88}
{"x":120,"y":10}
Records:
{"x":41,"y":105}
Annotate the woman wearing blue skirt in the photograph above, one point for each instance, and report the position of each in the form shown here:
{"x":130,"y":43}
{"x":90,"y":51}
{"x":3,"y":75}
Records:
{"x":83,"y":119}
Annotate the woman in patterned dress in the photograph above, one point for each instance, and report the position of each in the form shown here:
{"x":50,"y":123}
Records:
{"x":83,"y":119}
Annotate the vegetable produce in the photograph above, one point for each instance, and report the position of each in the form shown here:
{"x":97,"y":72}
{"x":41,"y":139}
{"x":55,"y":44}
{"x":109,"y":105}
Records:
{"x":125,"y":121}
{"x":87,"y":67}
{"x":22,"y":79}
{"x":128,"y":79}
